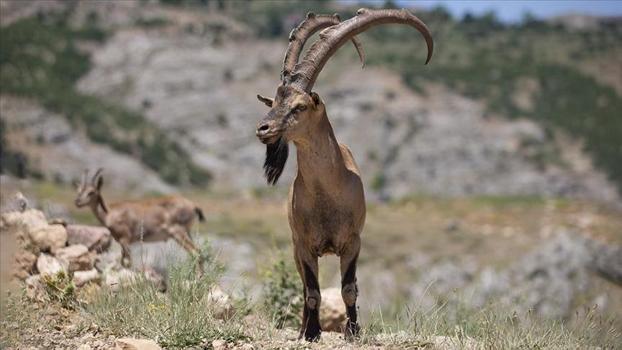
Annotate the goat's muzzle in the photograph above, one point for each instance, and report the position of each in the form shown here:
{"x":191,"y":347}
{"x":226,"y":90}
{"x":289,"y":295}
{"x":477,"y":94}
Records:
{"x":267,"y":132}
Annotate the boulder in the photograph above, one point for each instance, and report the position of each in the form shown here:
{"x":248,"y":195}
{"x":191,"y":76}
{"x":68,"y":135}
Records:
{"x":95,"y":238}
{"x":24,"y":264}
{"x":34,"y":288}
{"x":76,"y":257}
{"x":48,"y":265}
{"x":136,"y":344}
{"x":220,"y":303}
{"x":49,"y":237}
{"x":332,"y":310}
{"x":219,"y":344}
{"x":111,"y":258}
{"x":20,"y":224}
{"x":114,"y":279}
{"x":29,"y":220}
{"x":81,"y":278}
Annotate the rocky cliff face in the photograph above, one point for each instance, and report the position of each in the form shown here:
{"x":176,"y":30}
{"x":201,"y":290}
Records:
{"x":52,"y":147}
{"x":202,"y":91}
{"x":195,"y":74}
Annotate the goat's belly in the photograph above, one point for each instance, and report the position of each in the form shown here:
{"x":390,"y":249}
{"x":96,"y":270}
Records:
{"x":155,"y":236}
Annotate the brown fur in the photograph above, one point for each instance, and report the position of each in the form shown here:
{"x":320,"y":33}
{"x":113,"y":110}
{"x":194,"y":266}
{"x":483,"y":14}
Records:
{"x":326,"y":207}
{"x":149,"y":220}
{"x":326,"y":201}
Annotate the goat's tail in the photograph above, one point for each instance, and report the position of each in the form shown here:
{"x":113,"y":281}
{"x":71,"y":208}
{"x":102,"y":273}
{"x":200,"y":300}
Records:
{"x":199,"y":213}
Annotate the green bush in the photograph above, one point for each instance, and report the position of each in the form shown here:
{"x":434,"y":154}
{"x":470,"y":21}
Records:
{"x":282,"y":289}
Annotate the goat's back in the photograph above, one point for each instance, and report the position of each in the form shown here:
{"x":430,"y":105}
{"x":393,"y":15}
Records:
{"x":148,"y":219}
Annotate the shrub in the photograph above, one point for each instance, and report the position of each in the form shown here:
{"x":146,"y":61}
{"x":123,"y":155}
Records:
{"x":283,"y":293}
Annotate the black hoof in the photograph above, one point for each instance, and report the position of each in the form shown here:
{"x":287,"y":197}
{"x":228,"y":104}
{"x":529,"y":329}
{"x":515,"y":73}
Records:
{"x":313,"y":332}
{"x":312,"y":336}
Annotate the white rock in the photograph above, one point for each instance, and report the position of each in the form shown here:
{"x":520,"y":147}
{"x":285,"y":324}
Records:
{"x":49,"y":237}
{"x":76,"y":257}
{"x":28,"y":220}
{"x":220,"y":303}
{"x":136,"y":344}
{"x":81,"y":278}
{"x":219,"y":344}
{"x":34,"y":288}
{"x":332,"y":310}
{"x":95,"y":238}
{"x":114,"y":279}
{"x":24,"y":263}
{"x":48,"y":265}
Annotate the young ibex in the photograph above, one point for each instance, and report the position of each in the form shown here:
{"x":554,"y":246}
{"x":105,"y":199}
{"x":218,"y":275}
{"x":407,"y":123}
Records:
{"x":152,"y":220}
{"x":326,"y":206}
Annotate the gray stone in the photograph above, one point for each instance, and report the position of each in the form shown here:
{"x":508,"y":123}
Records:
{"x":136,"y":344}
{"x":96,"y":238}
{"x":81,"y":278}
{"x":76,"y":257}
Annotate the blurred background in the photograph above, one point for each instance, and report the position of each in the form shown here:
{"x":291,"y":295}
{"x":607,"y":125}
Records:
{"x":492,"y":174}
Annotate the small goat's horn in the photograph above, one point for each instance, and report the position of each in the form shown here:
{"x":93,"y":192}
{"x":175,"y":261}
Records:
{"x":98,"y":173}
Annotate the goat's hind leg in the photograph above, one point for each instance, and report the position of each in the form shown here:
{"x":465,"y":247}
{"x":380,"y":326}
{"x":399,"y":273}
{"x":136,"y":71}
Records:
{"x":182,"y":237}
{"x":349,"y":289}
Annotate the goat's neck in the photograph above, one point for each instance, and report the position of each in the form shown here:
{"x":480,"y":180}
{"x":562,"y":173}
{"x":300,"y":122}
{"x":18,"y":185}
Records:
{"x":320,"y":162}
{"x":100,"y":209}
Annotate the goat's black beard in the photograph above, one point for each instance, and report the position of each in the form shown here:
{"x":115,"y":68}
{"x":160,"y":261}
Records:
{"x":276,"y":157}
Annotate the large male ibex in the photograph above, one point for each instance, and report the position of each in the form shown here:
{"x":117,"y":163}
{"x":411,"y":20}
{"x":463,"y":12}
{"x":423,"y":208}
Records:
{"x":148,"y":220}
{"x":326,"y":202}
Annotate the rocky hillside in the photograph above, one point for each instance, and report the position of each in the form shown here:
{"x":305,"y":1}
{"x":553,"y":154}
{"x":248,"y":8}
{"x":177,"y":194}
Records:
{"x":193,"y":74}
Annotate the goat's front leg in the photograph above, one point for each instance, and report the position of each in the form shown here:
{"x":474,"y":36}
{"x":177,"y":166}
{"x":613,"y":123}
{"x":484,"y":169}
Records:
{"x":311,"y":313}
{"x":349,"y":289}
{"x":182,"y":237}
{"x":126,"y":257}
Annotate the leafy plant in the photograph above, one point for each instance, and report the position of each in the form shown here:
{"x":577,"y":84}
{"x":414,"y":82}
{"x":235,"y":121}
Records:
{"x":60,"y":288}
{"x":283,"y":293}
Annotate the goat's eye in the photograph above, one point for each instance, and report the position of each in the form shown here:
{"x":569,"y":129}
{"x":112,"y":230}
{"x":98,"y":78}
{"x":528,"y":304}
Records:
{"x":300,"y":108}
{"x":91,"y":194}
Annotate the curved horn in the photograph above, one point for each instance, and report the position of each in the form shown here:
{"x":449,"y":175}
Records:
{"x":332,"y":38}
{"x":97,"y":174}
{"x":84,"y":178}
{"x":299,"y":35}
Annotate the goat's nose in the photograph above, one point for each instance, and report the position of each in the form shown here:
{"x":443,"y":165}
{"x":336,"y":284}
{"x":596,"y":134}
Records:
{"x":263,"y":128}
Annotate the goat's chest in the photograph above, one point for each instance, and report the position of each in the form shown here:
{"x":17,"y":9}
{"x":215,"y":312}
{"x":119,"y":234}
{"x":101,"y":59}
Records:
{"x":321,"y":223}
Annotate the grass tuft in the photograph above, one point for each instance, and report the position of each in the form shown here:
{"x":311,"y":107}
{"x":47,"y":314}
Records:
{"x":183,"y":317}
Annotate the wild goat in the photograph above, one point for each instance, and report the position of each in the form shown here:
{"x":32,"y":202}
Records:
{"x":148,"y":220}
{"x":326,"y":205}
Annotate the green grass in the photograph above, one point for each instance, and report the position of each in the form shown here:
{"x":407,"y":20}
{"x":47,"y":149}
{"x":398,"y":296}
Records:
{"x":40,"y":59}
{"x":490,"y":327}
{"x":181,"y":318}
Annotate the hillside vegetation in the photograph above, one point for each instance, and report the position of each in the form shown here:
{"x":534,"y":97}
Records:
{"x":535,"y":69}
{"x":41,"y":58}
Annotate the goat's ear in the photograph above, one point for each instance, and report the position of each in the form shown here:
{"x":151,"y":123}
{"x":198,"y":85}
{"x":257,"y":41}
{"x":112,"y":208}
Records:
{"x":266,"y":100}
{"x":315,"y":97}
